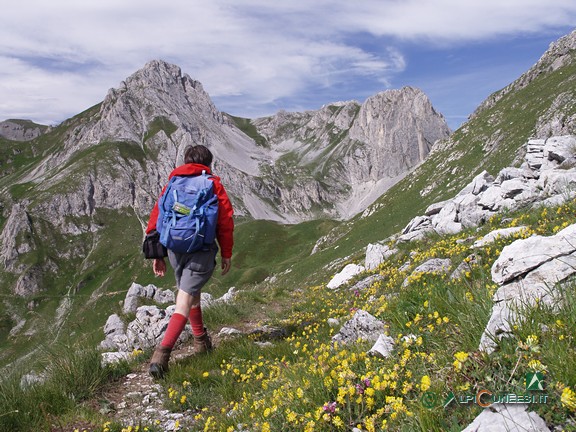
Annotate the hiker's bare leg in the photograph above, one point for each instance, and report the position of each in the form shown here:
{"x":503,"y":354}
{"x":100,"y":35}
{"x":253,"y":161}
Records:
{"x":185,"y":302}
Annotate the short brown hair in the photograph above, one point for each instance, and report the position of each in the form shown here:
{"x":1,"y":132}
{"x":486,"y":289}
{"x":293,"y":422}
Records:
{"x":198,"y":154}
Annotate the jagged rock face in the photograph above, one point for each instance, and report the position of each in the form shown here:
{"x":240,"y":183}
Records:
{"x":388,"y":134}
{"x":158,"y":90}
{"x":117,"y":155}
{"x":399,"y":127}
{"x":17,"y":226}
{"x":357,"y":148}
{"x":20,"y":131}
{"x":337,"y":148}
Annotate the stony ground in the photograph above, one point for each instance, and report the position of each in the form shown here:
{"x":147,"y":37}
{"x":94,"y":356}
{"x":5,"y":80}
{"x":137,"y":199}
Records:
{"x":138,"y":399}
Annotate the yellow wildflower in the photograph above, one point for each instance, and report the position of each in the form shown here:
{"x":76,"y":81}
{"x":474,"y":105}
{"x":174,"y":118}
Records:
{"x":537,"y":366}
{"x":337,"y":421}
{"x":463,"y":387}
{"x":568,"y":399}
{"x":291,"y":416}
{"x":425,"y":383}
{"x":461,"y":356}
{"x":309,"y":426}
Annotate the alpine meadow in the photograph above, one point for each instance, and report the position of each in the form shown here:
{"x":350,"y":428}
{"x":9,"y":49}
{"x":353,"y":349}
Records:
{"x":388,"y":273}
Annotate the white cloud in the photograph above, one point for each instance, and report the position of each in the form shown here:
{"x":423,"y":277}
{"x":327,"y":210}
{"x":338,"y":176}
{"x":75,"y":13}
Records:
{"x":456,"y":21}
{"x":60,"y":57}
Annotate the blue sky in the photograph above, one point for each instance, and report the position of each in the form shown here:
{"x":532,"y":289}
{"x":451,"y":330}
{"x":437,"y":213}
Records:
{"x":255,"y":57}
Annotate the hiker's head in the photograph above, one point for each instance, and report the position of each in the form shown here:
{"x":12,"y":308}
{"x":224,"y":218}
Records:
{"x":198,"y":154}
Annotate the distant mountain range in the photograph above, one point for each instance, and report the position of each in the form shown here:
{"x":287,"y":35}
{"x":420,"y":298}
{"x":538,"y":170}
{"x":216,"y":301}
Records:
{"x":74,"y":198}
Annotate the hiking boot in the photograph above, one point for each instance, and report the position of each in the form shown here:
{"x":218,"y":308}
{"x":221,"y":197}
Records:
{"x":202,"y":343}
{"x":159,"y":362}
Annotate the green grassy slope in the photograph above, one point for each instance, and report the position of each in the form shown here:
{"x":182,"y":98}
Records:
{"x":94,"y":270}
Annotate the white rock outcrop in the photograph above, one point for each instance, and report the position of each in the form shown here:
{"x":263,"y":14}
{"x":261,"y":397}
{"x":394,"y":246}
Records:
{"x":345,"y":275}
{"x":507,"y":418}
{"x":383,"y":347}
{"x":492,"y":236}
{"x":137,"y":291}
{"x":528,"y":271}
{"x":433,"y":265}
{"x":361,"y":326}
{"x":524,"y":255}
{"x":376,"y":254}
{"x":545,"y":178}
{"x":148,"y":327}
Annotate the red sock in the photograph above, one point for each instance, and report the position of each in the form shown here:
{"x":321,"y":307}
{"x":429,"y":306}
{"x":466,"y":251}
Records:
{"x":196,"y":321}
{"x":175,"y":327}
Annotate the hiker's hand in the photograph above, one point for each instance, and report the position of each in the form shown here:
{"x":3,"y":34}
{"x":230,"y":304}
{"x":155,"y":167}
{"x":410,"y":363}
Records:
{"x":159,"y":267}
{"x":226,"y":264}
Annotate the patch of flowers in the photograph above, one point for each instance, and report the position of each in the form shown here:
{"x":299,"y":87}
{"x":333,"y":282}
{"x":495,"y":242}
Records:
{"x":320,"y":385}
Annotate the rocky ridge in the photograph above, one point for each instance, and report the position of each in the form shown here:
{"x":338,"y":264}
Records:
{"x":163,"y":111}
{"x":120,"y":152}
{"x":352,"y":143}
{"x":547,"y":177}
{"x":559,"y":55}
{"x":20,"y":130}
{"x":527,"y":272}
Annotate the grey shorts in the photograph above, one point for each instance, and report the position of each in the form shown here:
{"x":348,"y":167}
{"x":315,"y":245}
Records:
{"x":193,"y":270}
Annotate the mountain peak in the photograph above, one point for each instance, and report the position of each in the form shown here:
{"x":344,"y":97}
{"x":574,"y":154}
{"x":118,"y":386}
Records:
{"x":162,"y":75}
{"x":157,"y":91}
{"x":21,"y":130}
{"x":157,"y":75}
{"x":559,"y":54}
{"x":163,"y":66}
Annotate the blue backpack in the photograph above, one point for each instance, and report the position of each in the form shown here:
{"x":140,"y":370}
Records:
{"x":188,"y":211}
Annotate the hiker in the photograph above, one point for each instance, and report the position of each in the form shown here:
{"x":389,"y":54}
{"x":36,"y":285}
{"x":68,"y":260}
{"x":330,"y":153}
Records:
{"x":192,"y":270}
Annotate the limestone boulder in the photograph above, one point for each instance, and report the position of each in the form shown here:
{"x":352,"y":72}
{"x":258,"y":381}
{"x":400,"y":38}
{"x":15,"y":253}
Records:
{"x":524,"y":255}
{"x":559,"y":148}
{"x":383,"y":347}
{"x":481,"y":182}
{"x":554,"y":182}
{"x":361,"y":326}
{"x":492,"y":236}
{"x":137,"y":291}
{"x":507,"y":418}
{"x":376,"y":254}
{"x":434,"y":265}
{"x":345,"y":275}
{"x":529,"y":271}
